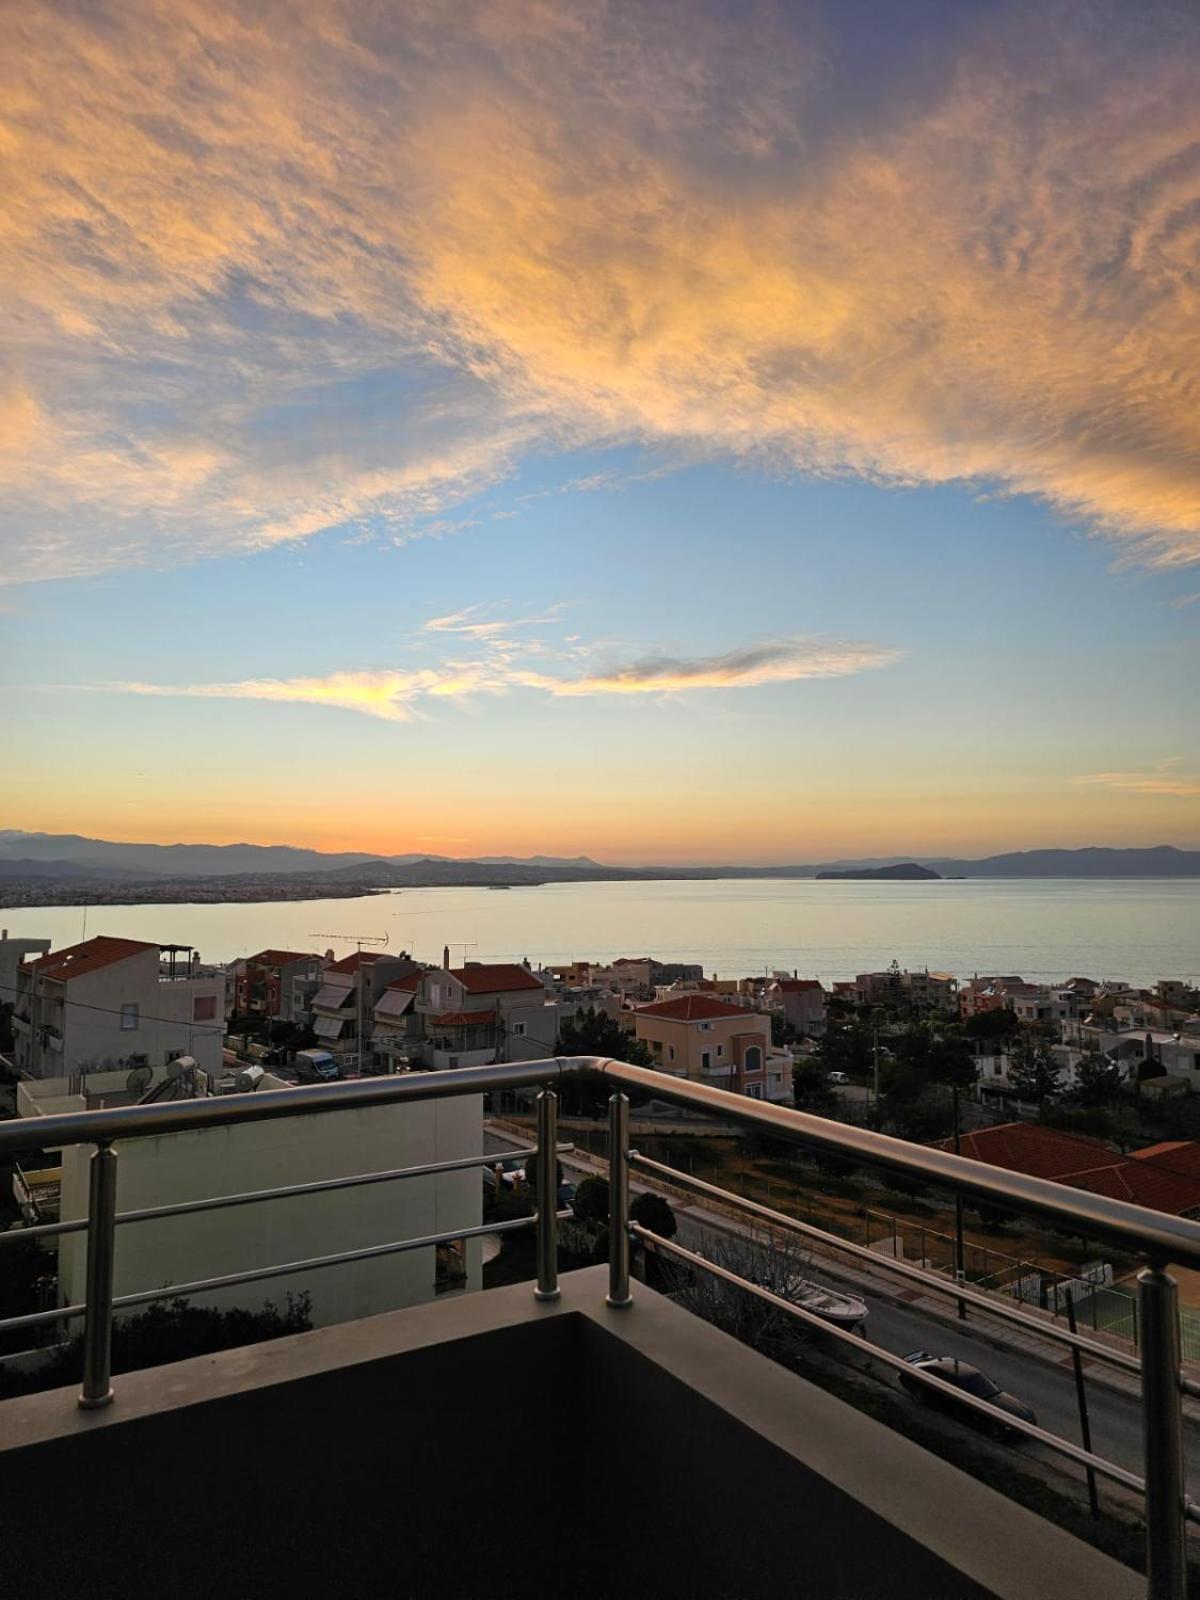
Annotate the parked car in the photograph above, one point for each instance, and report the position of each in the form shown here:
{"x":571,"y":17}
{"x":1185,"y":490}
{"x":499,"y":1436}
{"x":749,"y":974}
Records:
{"x":971,"y":1381}
{"x":839,"y":1077}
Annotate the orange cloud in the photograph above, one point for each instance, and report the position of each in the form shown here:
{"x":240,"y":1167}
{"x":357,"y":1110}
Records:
{"x":574,"y":226}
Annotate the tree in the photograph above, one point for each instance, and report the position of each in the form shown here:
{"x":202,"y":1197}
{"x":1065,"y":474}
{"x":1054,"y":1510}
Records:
{"x":590,"y":1203}
{"x":654,"y":1213}
{"x":780,"y":1268}
{"x":1032,"y":1069}
{"x":810,"y":1084}
{"x":595,"y":1033}
{"x":991,"y":1025}
{"x":1097,"y":1079}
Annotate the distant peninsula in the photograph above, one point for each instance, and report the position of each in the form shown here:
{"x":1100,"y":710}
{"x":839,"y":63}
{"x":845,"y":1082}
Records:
{"x":904,"y":872}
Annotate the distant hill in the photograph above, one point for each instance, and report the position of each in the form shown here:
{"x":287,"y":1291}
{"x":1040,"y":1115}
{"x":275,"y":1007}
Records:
{"x":905,"y":871}
{"x":62,"y":856}
{"x":1156,"y":861}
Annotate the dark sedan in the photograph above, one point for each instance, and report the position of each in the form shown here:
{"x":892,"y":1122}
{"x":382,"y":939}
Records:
{"x":971,"y":1381}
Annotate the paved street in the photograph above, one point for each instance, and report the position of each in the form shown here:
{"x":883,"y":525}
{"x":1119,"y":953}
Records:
{"x":1048,"y":1385}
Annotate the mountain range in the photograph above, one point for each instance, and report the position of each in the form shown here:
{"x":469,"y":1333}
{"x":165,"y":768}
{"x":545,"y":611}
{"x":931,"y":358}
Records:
{"x":26,"y":856}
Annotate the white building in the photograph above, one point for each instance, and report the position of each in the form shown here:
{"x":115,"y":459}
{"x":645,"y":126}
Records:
{"x":110,"y":1003}
{"x":485,"y":1011}
{"x":209,"y":1162}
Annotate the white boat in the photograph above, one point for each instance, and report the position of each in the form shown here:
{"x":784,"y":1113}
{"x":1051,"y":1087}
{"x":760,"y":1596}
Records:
{"x":831,"y":1305}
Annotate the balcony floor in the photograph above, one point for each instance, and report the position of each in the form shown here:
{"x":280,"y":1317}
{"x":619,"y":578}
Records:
{"x":491,"y":1444}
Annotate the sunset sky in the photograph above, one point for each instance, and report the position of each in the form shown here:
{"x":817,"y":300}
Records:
{"x":666,"y":432}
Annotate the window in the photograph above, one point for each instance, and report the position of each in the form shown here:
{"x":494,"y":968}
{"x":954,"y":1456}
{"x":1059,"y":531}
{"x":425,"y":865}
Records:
{"x":720,"y":1051}
{"x":129,"y":1017}
{"x":754,"y":1091}
{"x":753,"y":1059}
{"x":518,"y":1030}
{"x":706,"y":1061}
{"x":670,"y":1052}
{"x":204,"y":1008}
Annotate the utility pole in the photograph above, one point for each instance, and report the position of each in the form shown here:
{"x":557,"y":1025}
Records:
{"x":875,"y":1064}
{"x":374,"y":939}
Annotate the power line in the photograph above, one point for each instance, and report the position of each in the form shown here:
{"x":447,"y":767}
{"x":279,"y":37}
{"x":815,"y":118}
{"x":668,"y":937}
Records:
{"x":116,"y":1011}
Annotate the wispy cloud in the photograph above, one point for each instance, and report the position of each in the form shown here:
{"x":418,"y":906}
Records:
{"x":399,"y":695}
{"x":475,"y":624}
{"x":779,"y":661}
{"x":1163,"y":779}
{"x":261,"y":280}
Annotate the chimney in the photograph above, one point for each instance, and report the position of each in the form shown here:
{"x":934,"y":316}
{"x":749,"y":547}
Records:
{"x":446,"y":957}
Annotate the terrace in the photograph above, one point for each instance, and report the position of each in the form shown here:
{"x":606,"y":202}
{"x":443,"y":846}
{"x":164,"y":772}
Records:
{"x":653,"y":1454}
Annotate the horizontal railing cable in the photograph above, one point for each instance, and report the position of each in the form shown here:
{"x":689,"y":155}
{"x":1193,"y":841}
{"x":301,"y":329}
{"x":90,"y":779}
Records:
{"x":254,"y":1196}
{"x":1084,"y":1458}
{"x":951,"y":1289}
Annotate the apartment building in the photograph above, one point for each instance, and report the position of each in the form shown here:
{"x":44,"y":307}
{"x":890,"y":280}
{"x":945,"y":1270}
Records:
{"x":108,"y":1003}
{"x":397,"y":1031}
{"x":712,"y":1041}
{"x":485,"y":1011}
{"x":802,"y":1001}
{"x":344,"y":1005}
{"x":278,"y":985}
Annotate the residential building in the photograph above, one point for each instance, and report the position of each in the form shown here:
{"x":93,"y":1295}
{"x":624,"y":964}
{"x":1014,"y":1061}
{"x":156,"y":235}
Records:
{"x":346,"y":1000}
{"x":247,"y":1156}
{"x":278,"y":985}
{"x":980,"y":995}
{"x":397,"y":1032}
{"x":485,"y":1011}
{"x":108,"y":1003}
{"x":802,"y":1001}
{"x":713,"y":1041}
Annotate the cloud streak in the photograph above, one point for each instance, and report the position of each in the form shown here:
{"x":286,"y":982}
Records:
{"x":1162,"y":780}
{"x":398,"y":695}
{"x":346,"y":268}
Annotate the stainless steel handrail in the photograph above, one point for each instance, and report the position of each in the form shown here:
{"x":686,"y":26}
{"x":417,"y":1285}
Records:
{"x":286,"y":1191}
{"x":1155,"y":1235}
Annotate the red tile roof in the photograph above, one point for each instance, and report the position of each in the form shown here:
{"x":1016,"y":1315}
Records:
{"x":77,"y":960}
{"x":692,"y":1008}
{"x":352,"y":963}
{"x":279,"y":958}
{"x":1083,"y":1163}
{"x":495,"y":977}
{"x":412,"y":982}
{"x":463,"y":1019}
{"x":1181,"y":1156}
{"x":797,"y":985}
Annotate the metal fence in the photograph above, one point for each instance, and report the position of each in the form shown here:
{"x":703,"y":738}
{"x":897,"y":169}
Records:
{"x":1156,"y":1238}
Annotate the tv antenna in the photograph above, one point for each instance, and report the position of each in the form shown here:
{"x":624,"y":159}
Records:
{"x":358,"y":940}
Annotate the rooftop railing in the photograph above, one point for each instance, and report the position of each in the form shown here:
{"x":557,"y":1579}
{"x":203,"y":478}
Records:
{"x":1158,"y":1239}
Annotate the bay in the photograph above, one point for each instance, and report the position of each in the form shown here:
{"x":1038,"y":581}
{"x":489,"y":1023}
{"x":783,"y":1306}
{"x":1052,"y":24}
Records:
{"x":1045,"y":930}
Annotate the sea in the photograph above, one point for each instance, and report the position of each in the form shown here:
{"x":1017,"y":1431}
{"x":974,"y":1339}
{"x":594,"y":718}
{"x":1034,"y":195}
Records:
{"x":1044,"y":930}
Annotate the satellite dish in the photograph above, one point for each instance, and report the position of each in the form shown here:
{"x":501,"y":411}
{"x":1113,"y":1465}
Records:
{"x":139,"y":1079}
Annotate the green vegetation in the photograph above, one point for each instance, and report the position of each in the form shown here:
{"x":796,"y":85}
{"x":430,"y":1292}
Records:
{"x":172,"y":1331}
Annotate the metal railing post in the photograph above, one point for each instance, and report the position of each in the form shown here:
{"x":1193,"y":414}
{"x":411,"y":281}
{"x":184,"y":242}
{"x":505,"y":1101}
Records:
{"x":547,"y":1196}
{"x":618,"y":1201}
{"x":1162,"y":1427}
{"x":101,"y":1244}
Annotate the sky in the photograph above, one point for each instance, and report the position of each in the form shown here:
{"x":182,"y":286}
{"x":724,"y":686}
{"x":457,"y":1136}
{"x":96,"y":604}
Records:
{"x":665,"y":432}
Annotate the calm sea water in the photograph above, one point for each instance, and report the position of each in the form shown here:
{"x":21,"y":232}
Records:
{"x":1139,"y":929}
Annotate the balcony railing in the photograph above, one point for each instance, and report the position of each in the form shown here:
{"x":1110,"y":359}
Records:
{"x":1160,"y":1240}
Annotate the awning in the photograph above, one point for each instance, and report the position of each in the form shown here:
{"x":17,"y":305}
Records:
{"x":329,"y":1027}
{"x":393,"y":1003}
{"x":332,"y":996}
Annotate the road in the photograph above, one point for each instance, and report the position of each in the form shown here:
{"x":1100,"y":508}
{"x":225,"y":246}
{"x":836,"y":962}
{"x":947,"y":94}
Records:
{"x":1046,"y":1385}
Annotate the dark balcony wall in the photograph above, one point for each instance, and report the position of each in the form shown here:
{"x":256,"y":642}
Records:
{"x":553,"y":1452}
